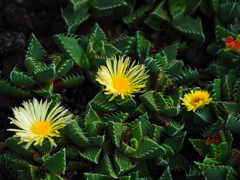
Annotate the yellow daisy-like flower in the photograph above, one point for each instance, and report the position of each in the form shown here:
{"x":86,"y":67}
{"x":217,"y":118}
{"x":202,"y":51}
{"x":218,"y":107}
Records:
{"x":196,"y":99}
{"x":121,"y":78}
{"x":37,"y":122}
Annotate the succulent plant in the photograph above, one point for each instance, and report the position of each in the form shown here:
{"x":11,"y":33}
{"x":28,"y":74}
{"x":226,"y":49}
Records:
{"x":45,"y":74}
{"x":224,"y":53}
{"x":165,"y":15}
{"x":224,"y":12}
{"x":219,"y":157}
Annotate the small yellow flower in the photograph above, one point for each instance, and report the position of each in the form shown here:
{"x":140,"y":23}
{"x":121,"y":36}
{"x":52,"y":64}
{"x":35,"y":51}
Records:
{"x":121,"y":78}
{"x":196,"y":99}
{"x":37,"y":122}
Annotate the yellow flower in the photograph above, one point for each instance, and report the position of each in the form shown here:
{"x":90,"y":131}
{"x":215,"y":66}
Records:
{"x":37,"y":122}
{"x":121,"y":78}
{"x":196,"y":99}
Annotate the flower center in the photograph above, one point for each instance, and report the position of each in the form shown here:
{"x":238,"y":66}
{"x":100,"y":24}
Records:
{"x":41,"y":127}
{"x":196,"y":100}
{"x":121,"y":84}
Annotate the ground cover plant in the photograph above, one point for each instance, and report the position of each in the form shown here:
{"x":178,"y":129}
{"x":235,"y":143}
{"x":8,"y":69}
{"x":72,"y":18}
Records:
{"x":121,"y":89}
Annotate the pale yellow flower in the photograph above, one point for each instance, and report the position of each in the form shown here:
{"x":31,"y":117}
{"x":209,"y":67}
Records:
{"x":38,"y":122}
{"x":196,"y":99}
{"x":121,"y":78}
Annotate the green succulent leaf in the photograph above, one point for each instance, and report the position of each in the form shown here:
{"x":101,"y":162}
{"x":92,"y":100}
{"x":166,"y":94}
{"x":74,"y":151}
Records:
{"x":155,"y":133}
{"x":156,"y":16}
{"x":216,"y":171}
{"x":222,"y":33}
{"x":147,"y":149}
{"x":203,"y":117}
{"x":12,"y":143}
{"x":142,"y":46}
{"x":200,"y":146}
{"x":137,"y":16}
{"x":22,"y":79}
{"x":63,"y":67}
{"x":76,"y":5}
{"x":237,"y":91}
{"x":35,"y":50}
{"x":215,"y":89}
{"x":45,"y":75}
{"x":91,"y":154}
{"x":23,"y":174}
{"x":233,"y":124}
{"x":175,"y":67}
{"x":69,"y":45}
{"x":124,"y":44}
{"x":56,"y":164}
{"x":91,"y":116}
{"x":98,"y":4}
{"x":176,"y":142}
{"x":166,"y":175}
{"x":149,"y":100}
{"x":73,"y":18}
{"x":122,"y":164}
{"x":90,"y":176}
{"x":105,"y":167}
{"x":176,"y":9}
{"x":185,"y":76}
{"x":45,"y":91}
{"x":69,"y":81}
{"x":228,"y":11}
{"x":178,"y":162}
{"x":116,"y":117}
{"x":15,"y":161}
{"x":173,"y":127}
{"x":189,"y":27}
{"x":8,"y":89}
{"x":229,"y":107}
{"x":72,"y":152}
{"x":145,"y":124}
{"x":116,"y":131}
{"x":101,"y":103}
{"x":77,"y":135}
{"x":97,"y":140}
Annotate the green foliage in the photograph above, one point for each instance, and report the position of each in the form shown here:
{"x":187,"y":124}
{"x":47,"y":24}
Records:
{"x":146,"y":136}
{"x":45,"y":74}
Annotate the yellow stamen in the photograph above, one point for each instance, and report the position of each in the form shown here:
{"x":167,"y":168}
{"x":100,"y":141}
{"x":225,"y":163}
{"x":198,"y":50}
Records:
{"x":41,"y":128}
{"x":121,"y":84}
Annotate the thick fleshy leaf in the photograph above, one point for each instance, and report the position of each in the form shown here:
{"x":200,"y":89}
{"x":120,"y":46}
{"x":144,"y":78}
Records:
{"x":124,"y":44}
{"x":116,"y":130}
{"x":9,"y":89}
{"x":166,"y":175}
{"x":190,"y":27}
{"x":122,"y":163}
{"x":35,"y":50}
{"x":147,"y":149}
{"x":149,"y":100}
{"x":45,"y":91}
{"x":91,"y":176}
{"x":15,"y":161}
{"x":12,"y":143}
{"x":176,"y":142}
{"x":91,"y":154}
{"x":105,"y":167}
{"x":21,"y":79}
{"x":77,"y":135}
{"x":64,"y":67}
{"x":69,"y":45}
{"x":73,"y":18}
{"x":216,"y":171}
{"x":56,"y":164}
